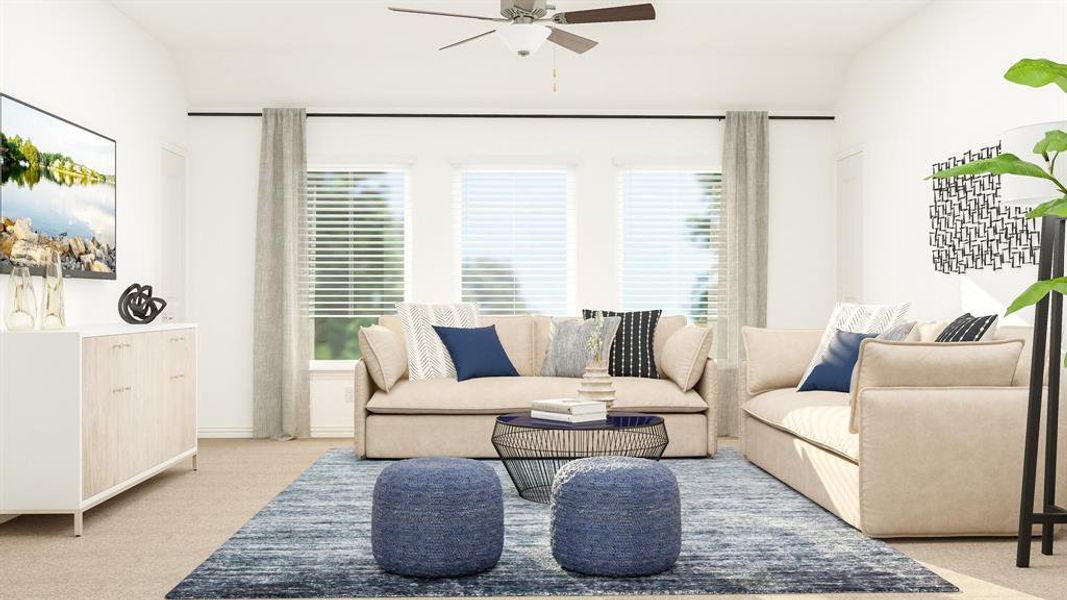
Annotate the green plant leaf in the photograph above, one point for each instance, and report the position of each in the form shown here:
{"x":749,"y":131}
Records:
{"x":1054,"y":141}
{"x":1004,"y":164}
{"x":1036,"y":292}
{"x":1038,"y":72}
{"x":1057,"y":207}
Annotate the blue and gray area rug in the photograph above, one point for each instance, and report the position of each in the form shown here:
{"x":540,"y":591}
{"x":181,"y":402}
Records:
{"x":744,"y":532}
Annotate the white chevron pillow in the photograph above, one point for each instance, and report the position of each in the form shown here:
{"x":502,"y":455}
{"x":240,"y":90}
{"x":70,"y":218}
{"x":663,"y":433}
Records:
{"x":427,"y":356}
{"x":857,"y":318}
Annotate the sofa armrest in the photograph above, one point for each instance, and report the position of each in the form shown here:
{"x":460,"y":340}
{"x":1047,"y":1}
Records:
{"x":708,"y":388}
{"x":364,"y":388}
{"x":943,"y":460}
{"x":886,"y":364}
{"x":776,"y":358}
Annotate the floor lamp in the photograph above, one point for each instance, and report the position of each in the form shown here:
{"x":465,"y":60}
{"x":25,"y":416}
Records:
{"x":1048,"y":329}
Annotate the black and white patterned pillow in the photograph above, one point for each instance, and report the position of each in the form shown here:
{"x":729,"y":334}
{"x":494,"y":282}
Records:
{"x":631,"y":351}
{"x":969,"y":328}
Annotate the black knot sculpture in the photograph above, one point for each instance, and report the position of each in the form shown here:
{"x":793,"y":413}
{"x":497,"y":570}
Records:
{"x":138,"y":306}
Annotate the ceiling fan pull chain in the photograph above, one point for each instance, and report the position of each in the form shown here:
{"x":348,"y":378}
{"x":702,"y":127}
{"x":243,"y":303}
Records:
{"x":554,"y":88}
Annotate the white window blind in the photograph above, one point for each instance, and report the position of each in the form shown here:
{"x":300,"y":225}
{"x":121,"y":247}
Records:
{"x":356,"y":242}
{"x":672,"y":243}
{"x":515,"y":239}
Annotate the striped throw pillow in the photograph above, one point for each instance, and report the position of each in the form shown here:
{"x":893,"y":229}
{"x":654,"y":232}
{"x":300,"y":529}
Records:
{"x":631,"y":351}
{"x":969,"y":328}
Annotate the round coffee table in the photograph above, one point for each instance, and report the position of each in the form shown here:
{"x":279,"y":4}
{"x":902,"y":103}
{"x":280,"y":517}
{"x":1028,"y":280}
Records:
{"x":532,"y":450}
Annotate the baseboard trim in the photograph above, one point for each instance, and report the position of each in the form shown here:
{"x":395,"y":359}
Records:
{"x":224,"y":432}
{"x":329,"y":431}
{"x":333,"y":432}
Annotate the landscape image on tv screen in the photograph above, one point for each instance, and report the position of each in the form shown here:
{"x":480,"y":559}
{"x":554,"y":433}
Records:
{"x":57,"y":194}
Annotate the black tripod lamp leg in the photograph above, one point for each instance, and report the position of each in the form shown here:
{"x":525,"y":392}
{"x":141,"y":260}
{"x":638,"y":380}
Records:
{"x":1033,"y":410}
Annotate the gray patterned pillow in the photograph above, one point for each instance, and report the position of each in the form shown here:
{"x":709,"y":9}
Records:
{"x":898,"y":333}
{"x":567,"y":354}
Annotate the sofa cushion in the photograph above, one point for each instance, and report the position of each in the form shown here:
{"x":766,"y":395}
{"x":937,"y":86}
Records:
{"x":933,"y":364}
{"x":683,"y":356}
{"x":501,"y":395}
{"x":667,"y":326}
{"x":1022,"y":369}
{"x":818,"y":417}
{"x":777,"y":358}
{"x":384,"y":354}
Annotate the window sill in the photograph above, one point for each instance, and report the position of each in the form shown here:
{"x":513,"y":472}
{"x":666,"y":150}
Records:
{"x":328,"y":366}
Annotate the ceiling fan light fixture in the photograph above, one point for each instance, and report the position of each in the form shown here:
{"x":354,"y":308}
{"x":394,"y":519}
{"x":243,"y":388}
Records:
{"x":524,"y":38}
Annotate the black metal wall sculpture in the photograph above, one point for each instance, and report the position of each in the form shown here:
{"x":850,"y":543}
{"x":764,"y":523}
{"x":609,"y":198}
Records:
{"x":971,"y":229}
{"x":137,"y":306}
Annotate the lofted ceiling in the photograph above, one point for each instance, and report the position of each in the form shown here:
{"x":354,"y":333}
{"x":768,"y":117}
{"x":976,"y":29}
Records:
{"x":784,"y":55}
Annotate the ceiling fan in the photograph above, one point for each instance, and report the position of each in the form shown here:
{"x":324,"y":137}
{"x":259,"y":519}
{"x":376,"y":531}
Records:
{"x":524,"y":34}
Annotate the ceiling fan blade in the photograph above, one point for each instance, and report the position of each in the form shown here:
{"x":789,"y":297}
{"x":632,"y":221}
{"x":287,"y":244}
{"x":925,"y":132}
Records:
{"x":635,"y":12}
{"x":444,"y":14}
{"x":470,"y":39}
{"x":574,"y":43}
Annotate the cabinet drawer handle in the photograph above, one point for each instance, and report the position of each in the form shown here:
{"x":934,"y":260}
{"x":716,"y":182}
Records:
{"x":181,"y":376}
{"x":120,"y":390}
{"x":119,"y":346}
{"x":178,"y":339}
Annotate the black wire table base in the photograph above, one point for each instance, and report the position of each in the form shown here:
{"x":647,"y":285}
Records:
{"x":533,"y":450}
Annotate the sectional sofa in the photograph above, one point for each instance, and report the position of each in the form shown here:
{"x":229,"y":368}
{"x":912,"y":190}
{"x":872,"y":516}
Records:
{"x":929,"y":442}
{"x":443,"y":417}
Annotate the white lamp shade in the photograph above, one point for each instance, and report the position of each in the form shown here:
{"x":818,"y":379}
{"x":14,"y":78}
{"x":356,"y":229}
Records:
{"x":523,"y":38}
{"x":1029,"y":191}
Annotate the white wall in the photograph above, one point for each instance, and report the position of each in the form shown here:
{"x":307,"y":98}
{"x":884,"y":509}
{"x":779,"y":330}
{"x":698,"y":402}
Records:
{"x":929,"y":89}
{"x":87,"y":62}
{"x":223,"y":171}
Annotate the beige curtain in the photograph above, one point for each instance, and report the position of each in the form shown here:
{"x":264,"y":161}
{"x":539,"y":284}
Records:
{"x":745,"y":201}
{"x":282,"y":330}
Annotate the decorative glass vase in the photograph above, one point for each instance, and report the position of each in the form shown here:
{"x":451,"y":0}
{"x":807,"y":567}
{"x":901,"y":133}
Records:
{"x":20,"y":308}
{"x":53,"y":313}
{"x":596,"y":384}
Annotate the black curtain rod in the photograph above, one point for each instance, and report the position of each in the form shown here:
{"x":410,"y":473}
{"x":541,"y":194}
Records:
{"x":509,"y":116}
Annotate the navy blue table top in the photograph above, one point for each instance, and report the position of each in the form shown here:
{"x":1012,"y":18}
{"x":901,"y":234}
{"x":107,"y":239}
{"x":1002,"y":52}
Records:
{"x":615,"y":420}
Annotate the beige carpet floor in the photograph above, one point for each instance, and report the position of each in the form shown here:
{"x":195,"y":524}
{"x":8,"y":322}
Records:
{"x":143,"y":542}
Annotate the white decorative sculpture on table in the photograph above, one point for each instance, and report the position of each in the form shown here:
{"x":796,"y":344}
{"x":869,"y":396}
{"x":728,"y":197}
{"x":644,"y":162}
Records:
{"x":596,"y":382}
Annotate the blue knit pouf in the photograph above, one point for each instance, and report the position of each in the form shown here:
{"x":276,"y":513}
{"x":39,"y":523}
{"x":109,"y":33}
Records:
{"x":437,"y":517}
{"x":616,"y":517}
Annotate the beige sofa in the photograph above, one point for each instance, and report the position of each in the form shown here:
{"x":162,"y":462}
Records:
{"x":443,"y":417}
{"x":917,"y":449}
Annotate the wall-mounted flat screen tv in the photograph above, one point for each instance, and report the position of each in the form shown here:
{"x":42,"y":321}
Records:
{"x":57,"y":194}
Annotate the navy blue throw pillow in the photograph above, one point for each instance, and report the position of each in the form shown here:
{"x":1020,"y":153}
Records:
{"x":834,"y":371}
{"x":476,"y":352}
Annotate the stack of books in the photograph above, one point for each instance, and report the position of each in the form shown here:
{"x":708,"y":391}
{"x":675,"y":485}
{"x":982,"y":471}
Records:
{"x":569,"y":410}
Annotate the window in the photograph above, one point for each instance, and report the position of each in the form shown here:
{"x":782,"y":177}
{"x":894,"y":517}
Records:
{"x":356,"y":254}
{"x":515,"y":231}
{"x":672,"y":243}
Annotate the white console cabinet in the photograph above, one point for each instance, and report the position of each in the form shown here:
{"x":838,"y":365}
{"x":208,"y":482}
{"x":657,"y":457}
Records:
{"x":86,"y":414}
